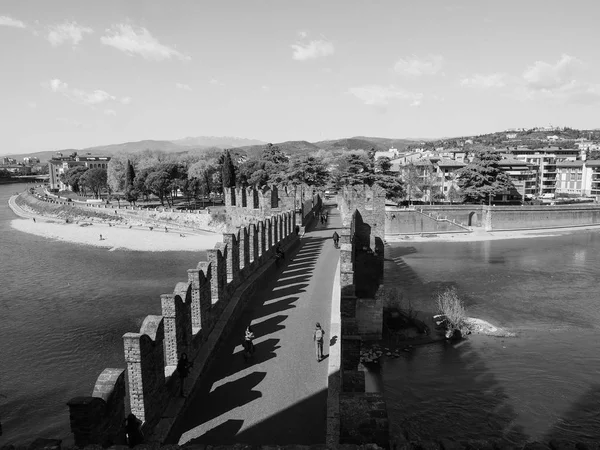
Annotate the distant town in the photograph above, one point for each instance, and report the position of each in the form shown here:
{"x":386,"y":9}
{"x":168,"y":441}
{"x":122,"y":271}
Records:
{"x":543,"y":163}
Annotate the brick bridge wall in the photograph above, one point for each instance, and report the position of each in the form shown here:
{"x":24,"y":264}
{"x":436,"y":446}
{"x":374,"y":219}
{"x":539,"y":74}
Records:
{"x":189,"y":315}
{"x":362,"y":416}
{"x":244,"y":204}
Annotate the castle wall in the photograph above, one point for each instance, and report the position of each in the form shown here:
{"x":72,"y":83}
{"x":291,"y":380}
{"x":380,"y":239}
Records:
{"x":196,"y":309}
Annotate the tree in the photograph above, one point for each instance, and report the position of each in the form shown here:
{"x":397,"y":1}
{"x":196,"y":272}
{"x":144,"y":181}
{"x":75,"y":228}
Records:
{"x":131,"y":194}
{"x":483,"y":178}
{"x":116,"y":172}
{"x":411,"y":175}
{"x":453,"y":195}
{"x":73,"y":178}
{"x":228,"y":171}
{"x":359,"y":169}
{"x":96,"y":180}
{"x":273,"y":154}
{"x":305,"y":171}
{"x":158,"y":184}
{"x":129,"y":175}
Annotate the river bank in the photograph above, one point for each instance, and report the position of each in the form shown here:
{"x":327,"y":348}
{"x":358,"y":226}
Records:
{"x":479,"y":235}
{"x":108,"y":232}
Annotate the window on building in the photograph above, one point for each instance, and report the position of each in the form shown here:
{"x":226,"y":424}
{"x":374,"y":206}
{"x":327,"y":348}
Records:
{"x":579,"y":176}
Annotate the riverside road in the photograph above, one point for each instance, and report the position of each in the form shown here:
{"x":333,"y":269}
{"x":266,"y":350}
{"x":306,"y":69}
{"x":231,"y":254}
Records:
{"x":280,"y":396}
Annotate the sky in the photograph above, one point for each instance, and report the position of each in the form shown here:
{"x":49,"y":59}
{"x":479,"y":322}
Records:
{"x":77,"y":74}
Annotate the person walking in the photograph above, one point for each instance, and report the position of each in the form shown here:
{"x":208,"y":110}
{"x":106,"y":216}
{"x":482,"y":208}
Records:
{"x":183,"y":368}
{"x":133,"y":430}
{"x":319,"y":337}
{"x":336,"y":239}
{"x":248,"y":344}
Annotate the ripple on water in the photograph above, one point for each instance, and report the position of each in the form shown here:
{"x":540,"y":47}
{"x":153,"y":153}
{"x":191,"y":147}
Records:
{"x":540,"y":385}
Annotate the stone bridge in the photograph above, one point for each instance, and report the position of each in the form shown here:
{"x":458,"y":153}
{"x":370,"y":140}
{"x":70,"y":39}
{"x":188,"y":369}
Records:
{"x":283,"y":396}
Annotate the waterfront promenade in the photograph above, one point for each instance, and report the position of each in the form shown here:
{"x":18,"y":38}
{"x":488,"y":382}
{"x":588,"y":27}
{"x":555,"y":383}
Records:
{"x":280,"y":396}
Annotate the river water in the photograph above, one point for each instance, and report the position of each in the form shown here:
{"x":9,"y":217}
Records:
{"x":63,"y":311}
{"x":541,"y":385}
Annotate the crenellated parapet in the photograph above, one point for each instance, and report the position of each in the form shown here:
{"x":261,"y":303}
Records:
{"x":243,"y":203}
{"x":188,"y":317}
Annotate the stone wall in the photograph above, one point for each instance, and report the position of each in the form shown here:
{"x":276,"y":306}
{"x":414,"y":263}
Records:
{"x":519,"y":217}
{"x":192,"y":318}
{"x":247,"y":204}
{"x":363,"y":209}
{"x":407,"y":221}
{"x":454,"y":218}
{"x":362,"y":416}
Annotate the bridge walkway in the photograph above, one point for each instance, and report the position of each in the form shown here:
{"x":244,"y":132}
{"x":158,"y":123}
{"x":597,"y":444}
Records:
{"x":280,"y":396}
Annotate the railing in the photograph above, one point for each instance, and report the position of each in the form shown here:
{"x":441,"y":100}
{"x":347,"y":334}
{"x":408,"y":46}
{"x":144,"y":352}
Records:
{"x":438,"y":218}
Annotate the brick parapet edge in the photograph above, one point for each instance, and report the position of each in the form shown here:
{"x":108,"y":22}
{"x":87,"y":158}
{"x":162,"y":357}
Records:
{"x":334,"y":385}
{"x":219,"y":334}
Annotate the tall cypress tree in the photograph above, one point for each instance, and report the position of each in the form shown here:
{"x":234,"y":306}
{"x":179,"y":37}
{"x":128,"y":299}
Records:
{"x":129,"y":176}
{"x":228,"y":171}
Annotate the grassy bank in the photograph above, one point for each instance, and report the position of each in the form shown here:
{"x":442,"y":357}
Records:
{"x":29,"y":203}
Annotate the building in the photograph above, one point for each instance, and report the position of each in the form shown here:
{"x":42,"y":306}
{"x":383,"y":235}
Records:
{"x":511,"y":135}
{"x":544,"y":160}
{"x":392,"y":153}
{"x":16,"y":169}
{"x":524,"y":180}
{"x":29,"y":160}
{"x":60,"y":164}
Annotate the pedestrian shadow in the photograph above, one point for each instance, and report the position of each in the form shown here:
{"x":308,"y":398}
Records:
{"x":279,"y":306}
{"x":263,"y":352}
{"x":304,"y":423}
{"x":333,"y":341}
{"x":269,"y":326}
{"x":214,"y":403}
{"x":217,"y":434}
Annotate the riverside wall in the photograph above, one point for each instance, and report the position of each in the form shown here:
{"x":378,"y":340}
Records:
{"x":461,"y":218}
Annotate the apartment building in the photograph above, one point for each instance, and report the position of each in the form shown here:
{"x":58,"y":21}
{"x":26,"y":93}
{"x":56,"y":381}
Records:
{"x":544,"y":160}
{"x":578,"y":178}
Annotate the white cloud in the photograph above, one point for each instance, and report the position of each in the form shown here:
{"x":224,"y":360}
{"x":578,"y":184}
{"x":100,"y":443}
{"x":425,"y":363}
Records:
{"x":558,"y":82}
{"x":70,"y":122}
{"x":414,"y":66}
{"x":493,"y":80}
{"x":185,"y":87}
{"x":265,"y":88}
{"x":32,"y":105}
{"x":68,"y":31}
{"x":378,"y":95}
{"x":10,"y":22}
{"x":110,"y":112}
{"x":126,"y":100}
{"x":79,"y":96}
{"x":302,"y":34}
{"x":139,"y":41}
{"x":312,"y":50}
{"x":542,"y":75}
{"x":216,"y":82}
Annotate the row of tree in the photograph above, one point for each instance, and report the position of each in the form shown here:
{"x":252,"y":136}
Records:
{"x":138,"y":176}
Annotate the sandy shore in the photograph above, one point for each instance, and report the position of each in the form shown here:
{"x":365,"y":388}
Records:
{"x":481,"y":235}
{"x":114,"y":237}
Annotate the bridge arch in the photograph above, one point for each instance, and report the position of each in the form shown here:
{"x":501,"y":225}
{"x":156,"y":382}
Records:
{"x":472,"y":219}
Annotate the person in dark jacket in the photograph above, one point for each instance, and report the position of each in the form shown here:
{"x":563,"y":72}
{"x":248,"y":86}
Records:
{"x":133,"y":430}
{"x":183,"y":369}
{"x":336,"y":239}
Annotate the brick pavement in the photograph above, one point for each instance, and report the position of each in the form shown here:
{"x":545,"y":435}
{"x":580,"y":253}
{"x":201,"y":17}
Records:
{"x":280,"y":397}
